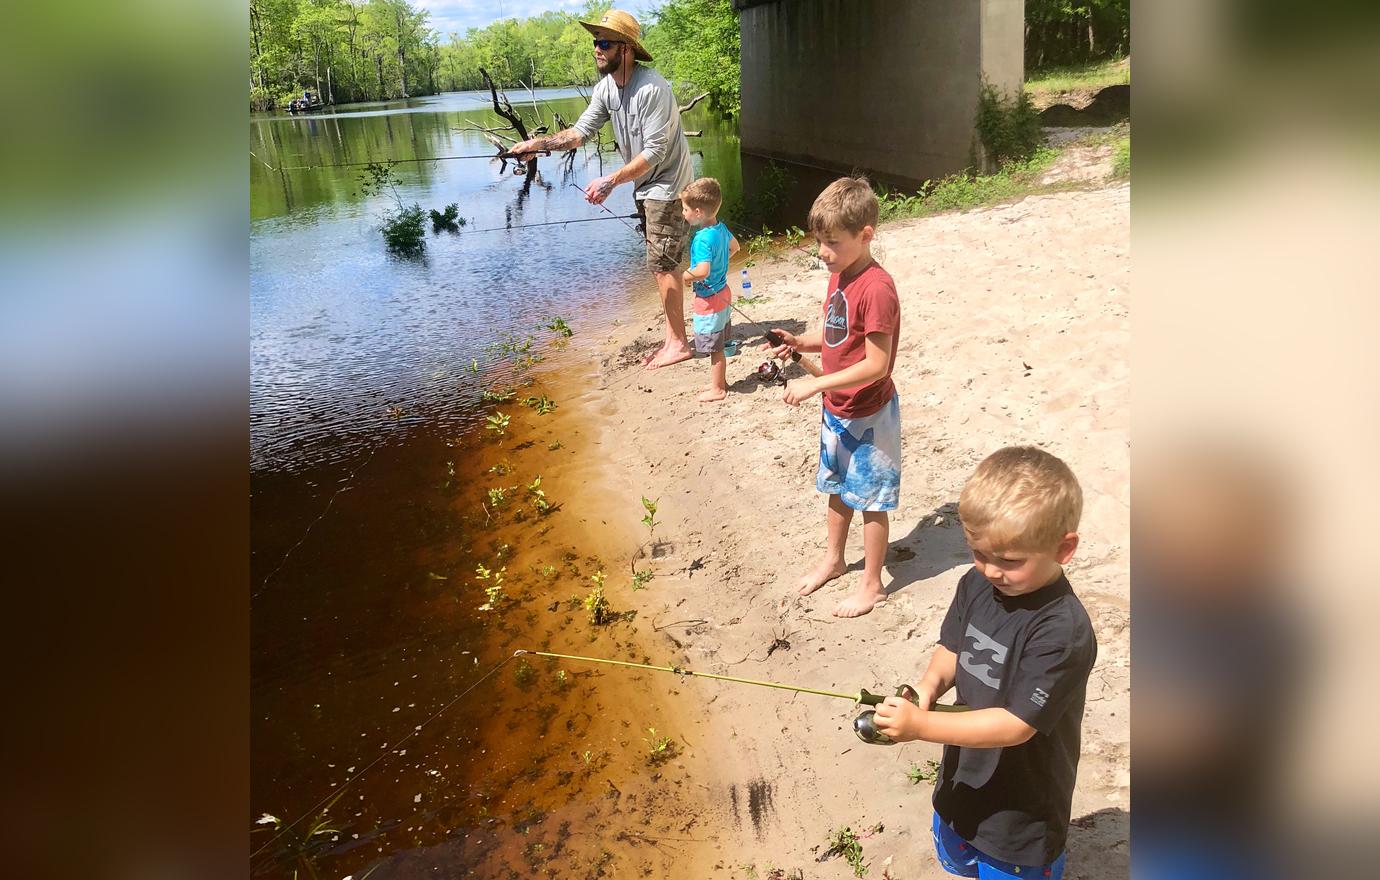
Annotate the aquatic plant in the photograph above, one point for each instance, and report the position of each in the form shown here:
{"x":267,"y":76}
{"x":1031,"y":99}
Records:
{"x":650,"y":519}
{"x":497,"y":422}
{"x":660,"y":749}
{"x":538,"y":495}
{"x":542,"y":404}
{"x":640,"y":579}
{"x":524,"y":674}
{"x":492,"y":582}
{"x":595,"y":603}
{"x":503,"y":468}
{"x":300,"y":846}
{"x":558,"y":326}
{"x":448,"y":219}
{"x":498,"y":497}
{"x":562,"y":680}
{"x":402,"y":228}
{"x":496,"y":395}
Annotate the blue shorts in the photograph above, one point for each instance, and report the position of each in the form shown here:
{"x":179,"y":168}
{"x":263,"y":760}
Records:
{"x":960,"y":857}
{"x":860,"y":459}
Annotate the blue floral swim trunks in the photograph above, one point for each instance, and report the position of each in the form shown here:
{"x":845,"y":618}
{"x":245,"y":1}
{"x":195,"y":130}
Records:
{"x":860,"y":459}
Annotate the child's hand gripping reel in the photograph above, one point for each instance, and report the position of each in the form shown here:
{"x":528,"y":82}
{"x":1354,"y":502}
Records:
{"x":770,"y":370}
{"x":865,"y":725}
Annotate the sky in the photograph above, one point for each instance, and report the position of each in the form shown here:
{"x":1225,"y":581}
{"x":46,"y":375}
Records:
{"x":458,"y":16}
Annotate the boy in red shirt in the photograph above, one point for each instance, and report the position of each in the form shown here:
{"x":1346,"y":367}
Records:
{"x":860,"y":436}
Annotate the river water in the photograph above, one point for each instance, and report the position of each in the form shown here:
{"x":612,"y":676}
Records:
{"x":371,"y":508}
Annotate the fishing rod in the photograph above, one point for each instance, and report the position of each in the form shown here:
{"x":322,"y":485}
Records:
{"x":605,"y":208}
{"x":502,"y":155}
{"x":864,"y":725}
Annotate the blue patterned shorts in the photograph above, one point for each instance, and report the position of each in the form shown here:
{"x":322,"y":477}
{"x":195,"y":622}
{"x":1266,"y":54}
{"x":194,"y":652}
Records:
{"x":860,"y":459}
{"x":960,"y":857}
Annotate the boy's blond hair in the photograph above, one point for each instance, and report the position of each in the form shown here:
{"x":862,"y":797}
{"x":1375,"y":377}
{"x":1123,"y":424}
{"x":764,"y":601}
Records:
{"x":704,"y":195}
{"x":848,"y":204}
{"x":1021,"y":498}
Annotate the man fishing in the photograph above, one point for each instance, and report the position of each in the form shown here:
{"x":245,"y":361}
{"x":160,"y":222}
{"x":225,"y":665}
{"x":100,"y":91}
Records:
{"x":647,"y":128}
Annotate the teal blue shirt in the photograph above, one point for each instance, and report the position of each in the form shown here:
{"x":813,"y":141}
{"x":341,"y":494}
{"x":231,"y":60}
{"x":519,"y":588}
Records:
{"x":711,"y":245}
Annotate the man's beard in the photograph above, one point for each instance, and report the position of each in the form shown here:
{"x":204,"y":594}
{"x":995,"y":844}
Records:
{"x":610,"y":64}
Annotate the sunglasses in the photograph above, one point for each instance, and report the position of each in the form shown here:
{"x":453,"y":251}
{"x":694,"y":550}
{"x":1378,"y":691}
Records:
{"x":605,"y":45}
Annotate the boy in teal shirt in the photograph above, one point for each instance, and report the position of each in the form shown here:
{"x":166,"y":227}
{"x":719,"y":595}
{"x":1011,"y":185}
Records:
{"x":710,"y":251}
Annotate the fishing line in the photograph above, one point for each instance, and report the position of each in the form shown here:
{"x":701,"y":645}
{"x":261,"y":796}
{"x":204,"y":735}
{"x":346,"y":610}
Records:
{"x":387,"y":751}
{"x":611,"y":214}
{"x":551,"y":223}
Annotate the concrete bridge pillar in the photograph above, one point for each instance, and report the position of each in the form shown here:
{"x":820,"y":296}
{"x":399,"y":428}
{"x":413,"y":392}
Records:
{"x":888,"y":87}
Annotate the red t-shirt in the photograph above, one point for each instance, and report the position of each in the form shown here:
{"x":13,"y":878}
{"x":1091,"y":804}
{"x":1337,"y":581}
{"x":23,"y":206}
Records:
{"x":854,"y":307}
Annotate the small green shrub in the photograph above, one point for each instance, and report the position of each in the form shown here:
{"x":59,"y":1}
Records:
{"x":1009,"y":127}
{"x":403,"y":232}
{"x":449,"y":219}
{"x":1121,"y":158}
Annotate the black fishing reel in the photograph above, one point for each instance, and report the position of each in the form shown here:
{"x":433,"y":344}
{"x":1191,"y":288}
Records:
{"x":770,"y":371}
{"x":865,"y":725}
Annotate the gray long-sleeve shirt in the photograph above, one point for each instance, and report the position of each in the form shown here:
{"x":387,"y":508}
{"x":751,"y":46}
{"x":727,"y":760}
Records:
{"x":646,"y":121}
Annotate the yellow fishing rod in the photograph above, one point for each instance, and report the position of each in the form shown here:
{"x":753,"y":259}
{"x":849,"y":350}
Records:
{"x":863,"y":725}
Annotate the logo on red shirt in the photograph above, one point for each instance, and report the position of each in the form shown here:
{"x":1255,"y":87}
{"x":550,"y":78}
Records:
{"x":836,"y":320}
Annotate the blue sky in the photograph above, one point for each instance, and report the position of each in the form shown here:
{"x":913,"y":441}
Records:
{"x":458,"y":16}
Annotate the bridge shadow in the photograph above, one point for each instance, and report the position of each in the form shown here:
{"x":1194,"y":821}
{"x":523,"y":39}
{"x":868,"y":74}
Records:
{"x":935,"y":545}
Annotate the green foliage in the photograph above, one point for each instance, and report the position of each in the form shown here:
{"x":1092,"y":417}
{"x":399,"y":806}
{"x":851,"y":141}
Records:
{"x":562,"y":680}
{"x":844,"y":842}
{"x":542,"y":404}
{"x":917,"y":774}
{"x":1074,"y":31}
{"x":524,"y":674}
{"x":558,"y":326}
{"x":1067,"y":77}
{"x":498,"y":498}
{"x":1009,"y":127}
{"x":595,"y":603}
{"x":300,"y":844}
{"x":403,"y":232}
{"x":641,"y":579}
{"x":1121,"y":157}
{"x":650,"y":519}
{"x":538,"y":496}
{"x":492,"y":583}
{"x":660,"y":749}
{"x":497,"y":422}
{"x":695,"y":43}
{"x":495,"y":395}
{"x":449,"y":219}
{"x":343,"y":50}
{"x":963,"y":191}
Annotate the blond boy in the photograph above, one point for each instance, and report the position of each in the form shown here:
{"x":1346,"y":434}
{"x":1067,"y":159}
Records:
{"x":710,"y":250}
{"x":1019,"y":647}
{"x":860,"y":432}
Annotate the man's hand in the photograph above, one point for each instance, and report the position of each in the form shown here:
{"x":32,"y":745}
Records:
{"x":788,"y":342}
{"x":599,"y":189}
{"x":899,"y":719}
{"x":524,"y":150}
{"x":800,"y":390}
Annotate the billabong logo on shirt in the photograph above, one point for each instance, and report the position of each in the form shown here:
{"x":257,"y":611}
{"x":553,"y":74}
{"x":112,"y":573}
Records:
{"x":836,"y":320}
{"x":979,"y":642}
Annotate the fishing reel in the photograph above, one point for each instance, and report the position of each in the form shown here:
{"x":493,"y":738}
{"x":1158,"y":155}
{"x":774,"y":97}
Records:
{"x":770,"y":370}
{"x":865,"y":725}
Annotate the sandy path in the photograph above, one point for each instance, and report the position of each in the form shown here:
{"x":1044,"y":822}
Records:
{"x":1043,"y":282}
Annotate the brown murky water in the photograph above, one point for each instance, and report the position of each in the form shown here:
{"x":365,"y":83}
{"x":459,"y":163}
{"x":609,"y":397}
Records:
{"x":368,"y":630}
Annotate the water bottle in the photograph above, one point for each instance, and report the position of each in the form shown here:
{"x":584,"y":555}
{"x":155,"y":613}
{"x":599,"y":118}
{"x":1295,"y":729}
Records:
{"x":747,"y":286}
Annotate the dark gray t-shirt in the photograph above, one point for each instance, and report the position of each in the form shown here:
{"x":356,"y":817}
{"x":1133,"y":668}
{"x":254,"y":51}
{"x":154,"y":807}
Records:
{"x":646,"y":121}
{"x":1030,"y":655}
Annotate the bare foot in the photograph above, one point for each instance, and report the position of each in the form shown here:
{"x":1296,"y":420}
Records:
{"x":820,"y":575}
{"x":861,"y":602}
{"x":653,"y":354}
{"x":712,"y":394}
{"x":668,"y":356}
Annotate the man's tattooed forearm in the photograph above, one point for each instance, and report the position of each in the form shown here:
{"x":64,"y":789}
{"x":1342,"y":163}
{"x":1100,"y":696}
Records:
{"x":566,"y":140}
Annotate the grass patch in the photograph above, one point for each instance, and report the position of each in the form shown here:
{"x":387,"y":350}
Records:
{"x":1093,"y":75}
{"x":959,"y":192}
{"x":1121,"y":158}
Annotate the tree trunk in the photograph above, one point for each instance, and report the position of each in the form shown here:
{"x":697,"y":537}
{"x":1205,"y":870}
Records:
{"x":402,"y":68}
{"x":330,"y":89}
{"x":378,"y":60}
{"x":316,"y":70}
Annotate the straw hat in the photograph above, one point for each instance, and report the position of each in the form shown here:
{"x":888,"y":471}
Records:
{"x":621,"y":24}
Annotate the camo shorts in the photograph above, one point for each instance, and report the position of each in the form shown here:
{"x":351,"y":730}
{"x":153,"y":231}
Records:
{"x":666,"y":232}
